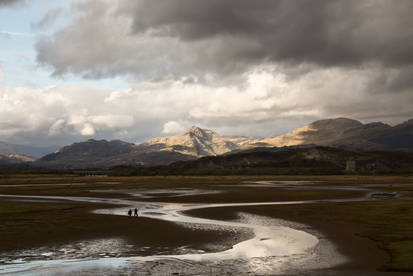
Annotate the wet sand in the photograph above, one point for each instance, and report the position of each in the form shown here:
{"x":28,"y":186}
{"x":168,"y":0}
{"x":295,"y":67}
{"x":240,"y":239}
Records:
{"x":76,"y":222}
{"x":364,"y":255}
{"x":271,"y":248}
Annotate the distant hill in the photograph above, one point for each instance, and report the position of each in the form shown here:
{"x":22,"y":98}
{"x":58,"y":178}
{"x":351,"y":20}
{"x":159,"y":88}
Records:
{"x":104,"y":154}
{"x":318,"y":132}
{"x":7,"y":159}
{"x":196,"y":142}
{"x":346,"y":134}
{"x":7,"y":148}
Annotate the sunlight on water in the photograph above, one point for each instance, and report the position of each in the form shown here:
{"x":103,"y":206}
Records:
{"x":276,"y":246}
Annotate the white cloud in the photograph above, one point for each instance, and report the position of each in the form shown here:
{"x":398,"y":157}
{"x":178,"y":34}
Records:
{"x":18,"y":34}
{"x":112,"y":121}
{"x":87,"y":130}
{"x":172,"y":127}
{"x":234,"y":71}
{"x":266,"y":103}
{"x":57,"y":127}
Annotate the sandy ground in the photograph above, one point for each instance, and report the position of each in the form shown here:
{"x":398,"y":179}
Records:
{"x":74,"y":226}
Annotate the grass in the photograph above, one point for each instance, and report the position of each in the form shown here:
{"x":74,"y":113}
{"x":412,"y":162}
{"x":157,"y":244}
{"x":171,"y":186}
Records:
{"x":388,"y":223}
{"x":402,"y":255}
{"x":391,"y":224}
{"x":187,"y":181}
{"x":24,"y":223}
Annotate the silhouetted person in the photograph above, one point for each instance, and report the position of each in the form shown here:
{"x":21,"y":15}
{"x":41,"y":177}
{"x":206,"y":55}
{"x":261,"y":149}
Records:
{"x":136,"y":212}
{"x":130,"y":212}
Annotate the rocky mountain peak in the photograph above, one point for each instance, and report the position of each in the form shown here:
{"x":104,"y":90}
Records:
{"x":195,"y":141}
{"x":200,"y":133}
{"x":194,"y":129}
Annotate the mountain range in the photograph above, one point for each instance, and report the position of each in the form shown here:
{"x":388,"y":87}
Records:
{"x":196,"y":142}
{"x":15,"y":159}
{"x":348,"y":134}
{"x":26,"y":150}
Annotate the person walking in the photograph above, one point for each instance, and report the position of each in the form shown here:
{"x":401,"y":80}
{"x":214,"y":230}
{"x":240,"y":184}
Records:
{"x":136,"y":212}
{"x":130,"y":212}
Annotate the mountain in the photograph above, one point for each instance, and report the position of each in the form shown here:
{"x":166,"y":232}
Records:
{"x":196,"y":142}
{"x":7,"y":148}
{"x":399,"y":137}
{"x":6,"y":159}
{"x":103,"y":154}
{"x":192,"y":144}
{"x":286,"y":160}
{"x":346,"y":134}
{"x":91,"y":153}
{"x":318,"y":132}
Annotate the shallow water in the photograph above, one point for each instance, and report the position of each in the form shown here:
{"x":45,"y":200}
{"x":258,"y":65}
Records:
{"x":276,"y":247}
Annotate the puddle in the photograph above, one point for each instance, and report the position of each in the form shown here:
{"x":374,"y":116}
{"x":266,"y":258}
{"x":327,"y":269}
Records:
{"x":157,"y":193}
{"x":83,"y":249}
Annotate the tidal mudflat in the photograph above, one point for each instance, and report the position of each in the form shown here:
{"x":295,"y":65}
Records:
{"x":206,"y":226}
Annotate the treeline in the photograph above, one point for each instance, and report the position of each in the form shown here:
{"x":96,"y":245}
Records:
{"x":296,"y":161}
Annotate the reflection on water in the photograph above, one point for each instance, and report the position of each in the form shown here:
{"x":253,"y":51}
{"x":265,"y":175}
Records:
{"x":276,"y":246}
{"x":83,"y":249}
{"x":156,"y":193}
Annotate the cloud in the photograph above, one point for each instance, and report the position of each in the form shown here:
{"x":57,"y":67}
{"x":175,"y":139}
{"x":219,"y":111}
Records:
{"x":56,"y":127}
{"x":8,"y":2}
{"x":19,"y":34}
{"x":172,"y":127}
{"x":244,"y":67}
{"x":48,"y":19}
{"x":153,"y":39}
{"x":266,"y":103}
{"x":87,"y":130}
{"x":294,"y":31}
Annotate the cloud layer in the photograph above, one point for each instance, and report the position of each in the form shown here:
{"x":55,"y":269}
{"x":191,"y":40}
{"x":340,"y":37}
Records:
{"x":266,"y":104}
{"x":246,"y":67}
{"x":185,"y":37}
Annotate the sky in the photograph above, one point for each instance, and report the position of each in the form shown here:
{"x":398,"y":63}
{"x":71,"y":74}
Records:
{"x":133,"y":70}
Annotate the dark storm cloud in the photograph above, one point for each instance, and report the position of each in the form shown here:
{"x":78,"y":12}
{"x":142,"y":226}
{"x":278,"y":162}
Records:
{"x":324,"y":32}
{"x":227,"y":37}
{"x":8,"y":2}
{"x":328,"y":58}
